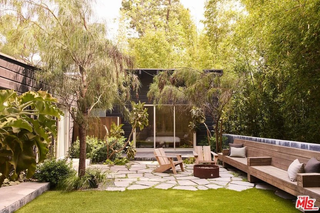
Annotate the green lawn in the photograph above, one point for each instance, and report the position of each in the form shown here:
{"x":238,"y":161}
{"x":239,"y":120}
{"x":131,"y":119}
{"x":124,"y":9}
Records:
{"x":156,"y":200}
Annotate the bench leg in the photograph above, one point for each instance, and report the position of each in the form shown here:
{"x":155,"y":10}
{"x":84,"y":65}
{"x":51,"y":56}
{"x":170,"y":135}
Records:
{"x":252,"y":179}
{"x":225,"y":165}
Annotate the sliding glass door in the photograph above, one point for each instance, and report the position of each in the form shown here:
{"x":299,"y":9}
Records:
{"x":168,"y":128}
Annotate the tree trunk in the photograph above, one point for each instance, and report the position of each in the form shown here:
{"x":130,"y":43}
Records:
{"x":216,"y":130}
{"x":82,"y":157}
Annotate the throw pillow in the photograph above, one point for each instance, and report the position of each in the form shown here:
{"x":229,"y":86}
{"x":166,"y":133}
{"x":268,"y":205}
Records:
{"x":313,"y":166}
{"x":295,"y":168}
{"x":238,"y":152}
{"x":234,"y":145}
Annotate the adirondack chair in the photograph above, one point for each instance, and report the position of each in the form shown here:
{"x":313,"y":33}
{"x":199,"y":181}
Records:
{"x":203,"y":154}
{"x":166,"y":163}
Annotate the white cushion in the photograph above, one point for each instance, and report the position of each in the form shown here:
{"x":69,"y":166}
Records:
{"x":238,"y":152}
{"x":295,"y":168}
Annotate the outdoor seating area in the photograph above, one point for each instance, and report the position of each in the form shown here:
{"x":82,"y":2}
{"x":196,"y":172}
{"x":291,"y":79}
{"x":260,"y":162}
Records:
{"x":272,"y":164}
{"x":139,"y":175}
{"x":179,"y":106}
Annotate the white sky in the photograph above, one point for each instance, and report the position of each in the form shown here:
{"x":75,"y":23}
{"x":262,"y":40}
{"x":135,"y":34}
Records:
{"x":108,"y":11}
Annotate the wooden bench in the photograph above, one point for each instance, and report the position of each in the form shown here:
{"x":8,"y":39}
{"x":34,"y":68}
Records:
{"x":269,"y":163}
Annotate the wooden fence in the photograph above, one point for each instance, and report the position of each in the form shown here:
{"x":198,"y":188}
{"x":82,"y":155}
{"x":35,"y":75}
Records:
{"x":96,"y":127}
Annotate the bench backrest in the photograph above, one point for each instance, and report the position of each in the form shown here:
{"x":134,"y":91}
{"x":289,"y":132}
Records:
{"x":282,"y":156}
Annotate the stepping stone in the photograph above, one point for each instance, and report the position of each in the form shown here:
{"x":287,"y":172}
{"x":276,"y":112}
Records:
{"x":172,"y":182}
{"x":162,"y":174}
{"x":202,"y":188}
{"x":137,"y":166}
{"x":119,"y":183}
{"x":189,"y":188}
{"x":220,"y":179}
{"x":126,"y":172}
{"x":115,"y":189}
{"x":135,"y":175}
{"x":111,"y":175}
{"x":155,"y":179}
{"x":120,"y":176}
{"x":225,"y":175}
{"x":145,"y":171}
{"x":188,"y":178}
{"x":238,"y":188}
{"x":144,"y":179}
{"x":237,"y":179}
{"x":221,"y":183}
{"x":169,"y":178}
{"x":243,"y":183}
{"x":213,"y":186}
{"x":201,"y":181}
{"x":164,"y":186}
{"x":186,"y":183}
{"x":122,"y":168}
{"x":149,"y":175}
{"x":147,"y":183}
{"x":179,"y":175}
{"x":136,"y":187}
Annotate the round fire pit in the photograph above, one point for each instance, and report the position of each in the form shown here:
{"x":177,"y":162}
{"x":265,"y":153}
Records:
{"x":206,"y":171}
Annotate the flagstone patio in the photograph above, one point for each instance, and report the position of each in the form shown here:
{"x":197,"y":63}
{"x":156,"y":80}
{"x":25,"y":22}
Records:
{"x":139,"y":175}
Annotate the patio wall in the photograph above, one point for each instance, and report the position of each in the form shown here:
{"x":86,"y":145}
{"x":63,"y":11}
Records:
{"x":294,"y":144}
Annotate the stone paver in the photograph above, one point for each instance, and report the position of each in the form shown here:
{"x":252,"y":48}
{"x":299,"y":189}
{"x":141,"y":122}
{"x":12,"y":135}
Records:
{"x":201,"y":181}
{"x":186,"y":183}
{"x":202,"y":187}
{"x":164,"y":186}
{"x":136,"y":187}
{"x":122,"y":183}
{"x":147,"y":183}
{"x":189,"y":188}
{"x":214,"y":186}
{"x":139,"y":175}
{"x":238,"y":188}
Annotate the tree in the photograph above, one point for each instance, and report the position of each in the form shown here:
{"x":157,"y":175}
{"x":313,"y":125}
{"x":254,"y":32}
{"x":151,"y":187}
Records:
{"x":82,"y":67}
{"x":271,"y":47}
{"x":162,"y":34}
{"x":27,"y":121}
{"x":205,"y":90}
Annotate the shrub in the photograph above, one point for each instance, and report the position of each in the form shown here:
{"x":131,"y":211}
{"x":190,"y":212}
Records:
{"x":91,"y":179}
{"x":109,"y":162}
{"x":115,"y":143}
{"x":121,"y":161}
{"x":97,"y":150}
{"x":53,"y":171}
{"x":190,"y":160}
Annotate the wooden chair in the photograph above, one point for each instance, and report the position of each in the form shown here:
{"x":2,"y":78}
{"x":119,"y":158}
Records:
{"x":202,"y":154}
{"x":166,"y":163}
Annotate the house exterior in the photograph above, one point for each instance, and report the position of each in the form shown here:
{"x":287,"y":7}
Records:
{"x":168,"y":123}
{"x":20,"y":76}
